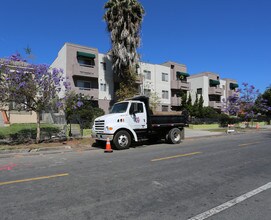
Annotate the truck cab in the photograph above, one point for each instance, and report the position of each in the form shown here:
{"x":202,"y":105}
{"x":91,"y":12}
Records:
{"x":127,"y":116}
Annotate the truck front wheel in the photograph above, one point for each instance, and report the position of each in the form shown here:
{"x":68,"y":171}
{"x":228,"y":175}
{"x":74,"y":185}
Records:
{"x":174,"y":136}
{"x":122,"y":140}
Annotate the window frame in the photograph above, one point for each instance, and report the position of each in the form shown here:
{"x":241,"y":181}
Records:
{"x":165,"y":77}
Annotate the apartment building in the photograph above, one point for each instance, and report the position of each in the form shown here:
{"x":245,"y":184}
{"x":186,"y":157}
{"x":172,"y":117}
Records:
{"x":178,"y":83}
{"x":90,"y":73}
{"x":9,"y":113}
{"x":231,"y":86}
{"x":81,"y":66}
{"x":212,"y":88}
{"x":156,"y":81}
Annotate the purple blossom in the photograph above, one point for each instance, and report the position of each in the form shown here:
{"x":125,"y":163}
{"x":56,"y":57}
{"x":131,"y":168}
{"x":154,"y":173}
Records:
{"x":30,"y":82}
{"x":16,"y":57}
{"x":59,"y":104}
{"x":22,"y":84}
{"x":245,"y":84}
{"x":79,"y":104}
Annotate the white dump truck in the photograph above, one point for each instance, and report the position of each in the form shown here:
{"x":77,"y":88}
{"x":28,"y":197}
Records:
{"x":132,"y":121}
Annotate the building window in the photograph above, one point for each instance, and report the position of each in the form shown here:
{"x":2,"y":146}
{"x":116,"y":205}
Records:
{"x":83,"y":85}
{"x":103,"y":65}
{"x":147,"y":92}
{"x":214,"y":98}
{"x":147,"y":74}
{"x":103,"y":87}
{"x":86,"y":61}
{"x":164,"y":94}
{"x":164,"y":108}
{"x":199,"y":91}
{"x":165,"y":77}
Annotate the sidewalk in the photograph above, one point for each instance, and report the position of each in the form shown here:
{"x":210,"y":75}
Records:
{"x":196,"y":133}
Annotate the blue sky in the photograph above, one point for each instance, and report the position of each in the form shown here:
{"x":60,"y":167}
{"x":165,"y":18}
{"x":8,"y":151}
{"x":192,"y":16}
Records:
{"x":228,"y":37}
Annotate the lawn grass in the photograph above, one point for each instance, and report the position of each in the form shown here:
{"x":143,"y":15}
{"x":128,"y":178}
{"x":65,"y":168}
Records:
{"x":204,"y":126}
{"x":29,"y":130}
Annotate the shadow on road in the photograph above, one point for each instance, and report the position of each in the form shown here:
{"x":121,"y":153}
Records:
{"x":140,"y":144}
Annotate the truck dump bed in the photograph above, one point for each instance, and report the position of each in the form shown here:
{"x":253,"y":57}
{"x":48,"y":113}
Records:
{"x":165,"y":120}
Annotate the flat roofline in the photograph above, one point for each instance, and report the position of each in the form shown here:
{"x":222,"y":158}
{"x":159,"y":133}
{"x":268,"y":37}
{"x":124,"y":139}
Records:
{"x":173,"y":63}
{"x":228,"y":79}
{"x":80,"y":46}
{"x":203,"y":74}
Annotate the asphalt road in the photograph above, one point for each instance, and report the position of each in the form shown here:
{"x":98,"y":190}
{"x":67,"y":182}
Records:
{"x":224,"y":178}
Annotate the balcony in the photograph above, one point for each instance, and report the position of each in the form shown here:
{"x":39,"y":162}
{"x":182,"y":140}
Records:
{"x":92,"y":93}
{"x":84,"y":70}
{"x":178,"y":84}
{"x":231,"y":93}
{"x":215,"y":104}
{"x":175,"y":101}
{"x":215,"y":91}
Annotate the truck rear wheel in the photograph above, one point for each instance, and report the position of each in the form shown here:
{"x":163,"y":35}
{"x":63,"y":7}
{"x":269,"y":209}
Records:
{"x":174,"y":136}
{"x":122,"y":140}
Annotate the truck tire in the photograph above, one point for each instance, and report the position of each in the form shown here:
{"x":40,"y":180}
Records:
{"x":174,"y":136}
{"x":122,"y":140}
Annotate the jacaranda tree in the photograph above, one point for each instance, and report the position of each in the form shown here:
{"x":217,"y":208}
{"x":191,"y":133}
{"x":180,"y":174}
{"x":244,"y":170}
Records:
{"x":124,"y":18}
{"x":246,"y":102}
{"x":266,"y":97}
{"x":232,"y":105}
{"x":30,"y":87}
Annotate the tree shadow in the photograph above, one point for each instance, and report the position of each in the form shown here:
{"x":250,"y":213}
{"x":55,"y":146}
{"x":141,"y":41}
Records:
{"x":139,"y":144}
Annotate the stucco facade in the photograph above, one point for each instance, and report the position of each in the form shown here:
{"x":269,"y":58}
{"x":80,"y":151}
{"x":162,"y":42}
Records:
{"x":90,"y":73}
{"x":213,"y":89}
{"x":81,"y":67}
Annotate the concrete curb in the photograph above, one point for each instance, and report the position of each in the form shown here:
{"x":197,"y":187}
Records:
{"x":38,"y":151}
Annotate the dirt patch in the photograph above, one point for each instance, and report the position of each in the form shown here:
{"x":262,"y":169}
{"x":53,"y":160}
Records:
{"x":73,"y":143}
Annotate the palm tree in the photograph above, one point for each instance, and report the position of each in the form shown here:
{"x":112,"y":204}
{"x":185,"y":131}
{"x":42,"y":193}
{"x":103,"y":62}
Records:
{"x":124,"y":18}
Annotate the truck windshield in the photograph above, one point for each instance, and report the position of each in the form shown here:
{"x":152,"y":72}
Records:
{"x":119,"y":107}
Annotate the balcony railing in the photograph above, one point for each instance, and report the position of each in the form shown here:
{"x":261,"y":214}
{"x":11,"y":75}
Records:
{"x":92,"y":93}
{"x":231,"y":93}
{"x":178,"y":84}
{"x":215,"y":91}
{"x":85,"y":70}
{"x":215,"y":104}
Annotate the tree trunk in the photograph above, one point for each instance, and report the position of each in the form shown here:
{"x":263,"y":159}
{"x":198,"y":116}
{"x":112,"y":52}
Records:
{"x":38,"y":128}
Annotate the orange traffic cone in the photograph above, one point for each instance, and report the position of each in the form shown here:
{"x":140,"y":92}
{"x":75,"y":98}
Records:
{"x":108,"y":148}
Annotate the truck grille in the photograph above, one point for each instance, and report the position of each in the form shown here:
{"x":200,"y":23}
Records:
{"x":99,"y":126}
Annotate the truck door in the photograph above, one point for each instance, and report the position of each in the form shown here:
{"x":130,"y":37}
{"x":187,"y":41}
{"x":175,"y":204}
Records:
{"x":138,"y":116}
